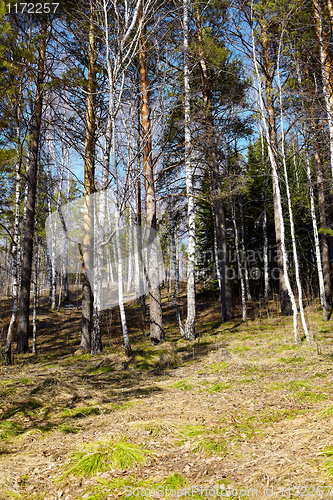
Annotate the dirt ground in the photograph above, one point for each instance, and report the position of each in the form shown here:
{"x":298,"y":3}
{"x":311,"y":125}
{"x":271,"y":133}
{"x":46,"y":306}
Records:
{"x":240,"y":412}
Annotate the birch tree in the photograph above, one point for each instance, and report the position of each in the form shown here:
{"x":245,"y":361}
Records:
{"x":268,"y":115}
{"x":16,"y":235}
{"x":308,"y":335}
{"x":189,"y":331}
{"x":322,"y":293}
{"x":270,"y":134}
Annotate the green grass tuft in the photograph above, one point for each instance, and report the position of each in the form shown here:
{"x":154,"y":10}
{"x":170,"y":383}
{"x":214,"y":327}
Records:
{"x":28,"y":408}
{"x":241,"y":349}
{"x":183,"y":385}
{"x":299,"y":384}
{"x":217,"y":367}
{"x":214,"y":387}
{"x":175,"y":481}
{"x":103,"y":455}
{"x":202,"y":439}
{"x":278,"y":415}
{"x":81,"y":411}
{"x":328,"y":412}
{"x":190,"y":431}
{"x":328,"y":465}
{"x":69,"y":429}
{"x":282,"y":348}
{"x":219,"y":387}
{"x":310,"y":396}
{"x":102,"y":369}
{"x":135,"y":488}
{"x":209,"y":446}
{"x":145,"y":360}
{"x":294,"y":359}
{"x":9,"y":430}
{"x":26,"y":381}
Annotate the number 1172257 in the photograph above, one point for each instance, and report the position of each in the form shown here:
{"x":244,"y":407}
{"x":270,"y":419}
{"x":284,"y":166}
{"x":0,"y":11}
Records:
{"x":32,"y":8}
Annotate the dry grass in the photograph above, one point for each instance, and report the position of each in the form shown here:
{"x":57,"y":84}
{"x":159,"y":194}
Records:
{"x":239,"y":407}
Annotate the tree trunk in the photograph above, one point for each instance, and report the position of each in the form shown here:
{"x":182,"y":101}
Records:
{"x":322,"y":293}
{"x":189,"y":332}
{"x":322,"y":203}
{"x":264,"y":225}
{"x":24,"y":299}
{"x":308,"y":334}
{"x":138,"y":249}
{"x":221,"y":235}
{"x":35,"y":282}
{"x":155,"y":304}
{"x":270,"y":133}
{"x":16,"y":237}
{"x":65,"y":275}
{"x":221,"y":241}
{"x":285,"y":301}
{"x":243,"y":253}
{"x":239,"y":263}
{"x":175,"y":267}
{"x":326,"y":71}
{"x":89,"y":188}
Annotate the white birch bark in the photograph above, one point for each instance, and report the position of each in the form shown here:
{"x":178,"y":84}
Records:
{"x":100,"y":217}
{"x":130,"y":253}
{"x":308,"y":335}
{"x":35,"y":283}
{"x":128,"y":349}
{"x":316,"y":239}
{"x":218,"y":270}
{"x":7,"y":271}
{"x":35,"y":272}
{"x":66,"y":154}
{"x":265,"y":251}
{"x":58,"y":204}
{"x":243,"y":253}
{"x":175,"y":267}
{"x":52,"y":249}
{"x":264,"y":225}
{"x":16,"y":238}
{"x":137,"y":264}
{"x":313,"y":211}
{"x":189,"y":331}
{"x":217,"y":263}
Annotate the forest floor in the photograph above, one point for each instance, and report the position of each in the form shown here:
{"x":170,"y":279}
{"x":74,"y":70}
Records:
{"x":240,"y":412}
